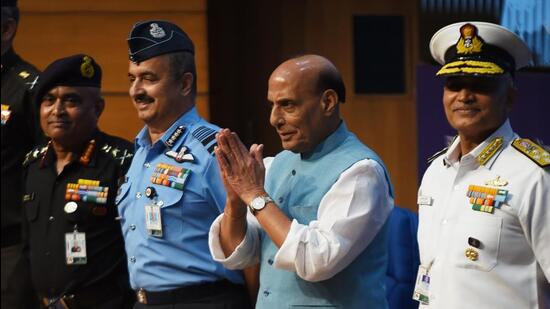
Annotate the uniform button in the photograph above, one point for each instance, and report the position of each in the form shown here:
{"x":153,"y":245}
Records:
{"x":147,"y":165}
{"x":47,"y":253}
{"x":456,"y":187}
{"x":266,"y":293}
{"x":132,"y":227}
{"x":138,"y":194}
{"x":270,"y":262}
{"x":444,"y":221}
{"x":281,"y":200}
{"x":133,"y":259}
{"x":51,"y":218}
{"x":293,"y":172}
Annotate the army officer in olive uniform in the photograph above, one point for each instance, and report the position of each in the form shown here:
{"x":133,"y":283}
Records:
{"x":74,"y":238}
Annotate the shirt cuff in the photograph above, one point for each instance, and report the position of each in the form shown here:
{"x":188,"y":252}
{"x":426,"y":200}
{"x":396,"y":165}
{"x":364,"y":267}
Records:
{"x":286,"y":256}
{"x":246,"y":253}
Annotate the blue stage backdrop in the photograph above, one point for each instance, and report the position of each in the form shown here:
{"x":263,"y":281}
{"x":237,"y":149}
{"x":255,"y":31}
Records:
{"x":530,"y":117}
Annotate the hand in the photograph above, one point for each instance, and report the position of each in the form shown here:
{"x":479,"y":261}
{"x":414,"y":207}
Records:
{"x":243,"y":170}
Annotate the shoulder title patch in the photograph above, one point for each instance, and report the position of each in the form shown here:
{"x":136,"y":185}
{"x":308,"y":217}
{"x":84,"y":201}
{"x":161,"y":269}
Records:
{"x":533,"y":151}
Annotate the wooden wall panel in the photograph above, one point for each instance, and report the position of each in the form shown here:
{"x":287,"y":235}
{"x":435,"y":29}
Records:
{"x":50,"y":30}
{"x":385,"y":123}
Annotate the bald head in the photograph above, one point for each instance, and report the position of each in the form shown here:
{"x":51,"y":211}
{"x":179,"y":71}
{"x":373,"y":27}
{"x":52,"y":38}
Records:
{"x":305,"y":93}
{"x":317,"y":72}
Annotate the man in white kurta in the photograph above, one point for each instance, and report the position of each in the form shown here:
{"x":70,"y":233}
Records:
{"x":484,"y":225}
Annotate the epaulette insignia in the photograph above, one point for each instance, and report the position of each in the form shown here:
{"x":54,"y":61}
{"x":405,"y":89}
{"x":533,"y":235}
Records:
{"x":34,"y":154}
{"x":206,"y":135}
{"x":489,"y":151}
{"x":533,"y":151}
{"x":120,"y":155}
{"x":175,"y":136}
{"x":24,"y":74}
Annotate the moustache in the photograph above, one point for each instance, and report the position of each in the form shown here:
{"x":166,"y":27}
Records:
{"x":143,"y":98}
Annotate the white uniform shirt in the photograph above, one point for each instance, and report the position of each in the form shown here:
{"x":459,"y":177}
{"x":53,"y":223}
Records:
{"x":349,"y":216}
{"x":513,"y":265}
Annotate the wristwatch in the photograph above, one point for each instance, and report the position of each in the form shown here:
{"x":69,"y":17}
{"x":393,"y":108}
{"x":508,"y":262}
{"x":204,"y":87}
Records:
{"x":258,"y":203}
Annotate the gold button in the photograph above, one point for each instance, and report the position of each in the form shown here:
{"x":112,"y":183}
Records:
{"x":471,"y":254}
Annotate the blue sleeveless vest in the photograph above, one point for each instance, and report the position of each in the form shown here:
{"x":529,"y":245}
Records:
{"x":297,"y":183}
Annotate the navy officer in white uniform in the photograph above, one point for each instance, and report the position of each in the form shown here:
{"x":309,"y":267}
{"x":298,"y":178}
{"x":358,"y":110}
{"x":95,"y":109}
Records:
{"x":484,"y":230}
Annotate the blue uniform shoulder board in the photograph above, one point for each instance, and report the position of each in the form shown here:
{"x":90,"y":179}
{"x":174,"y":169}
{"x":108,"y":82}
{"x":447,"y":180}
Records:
{"x":206,"y":135}
{"x":533,"y":151}
{"x":34,"y":154}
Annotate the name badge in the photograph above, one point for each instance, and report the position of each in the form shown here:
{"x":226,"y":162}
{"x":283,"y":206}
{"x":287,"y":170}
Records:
{"x":153,"y":220}
{"x":424,"y":200}
{"x":422,"y":287}
{"x":75,"y":248}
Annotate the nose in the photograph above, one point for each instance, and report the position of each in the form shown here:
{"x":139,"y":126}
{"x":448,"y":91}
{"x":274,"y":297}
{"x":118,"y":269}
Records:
{"x":135,"y":88}
{"x":465,"y":95}
{"x":58,"y":107}
{"x":276,"y":117}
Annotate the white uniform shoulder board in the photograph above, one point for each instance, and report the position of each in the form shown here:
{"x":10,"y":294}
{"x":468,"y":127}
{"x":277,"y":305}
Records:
{"x":533,"y":151}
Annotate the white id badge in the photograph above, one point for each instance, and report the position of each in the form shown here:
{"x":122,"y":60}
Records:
{"x":422,"y":287}
{"x":75,"y":248}
{"x":153,"y":220}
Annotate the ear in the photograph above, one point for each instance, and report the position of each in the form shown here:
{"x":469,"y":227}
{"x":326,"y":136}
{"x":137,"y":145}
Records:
{"x":329,"y":102}
{"x":99,"y":106}
{"x":187,"y":83}
{"x":8,"y":30}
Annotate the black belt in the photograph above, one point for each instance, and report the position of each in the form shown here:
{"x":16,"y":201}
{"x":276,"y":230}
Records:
{"x":11,"y":235}
{"x":185,"y":294}
{"x":86,"y":297}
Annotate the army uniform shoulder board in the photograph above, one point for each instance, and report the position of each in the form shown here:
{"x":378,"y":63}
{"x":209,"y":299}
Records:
{"x":34,"y":154}
{"x":533,"y":151}
{"x":206,"y":135}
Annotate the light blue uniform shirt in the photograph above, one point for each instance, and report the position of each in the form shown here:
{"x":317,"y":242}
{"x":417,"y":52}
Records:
{"x":181,"y":256}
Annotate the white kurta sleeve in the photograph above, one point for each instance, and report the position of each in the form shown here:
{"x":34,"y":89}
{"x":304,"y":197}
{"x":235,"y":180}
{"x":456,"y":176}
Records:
{"x":247,"y":252}
{"x":349,"y":216}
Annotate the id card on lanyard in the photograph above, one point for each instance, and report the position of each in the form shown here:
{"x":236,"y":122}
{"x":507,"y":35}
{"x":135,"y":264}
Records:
{"x":422,"y":286}
{"x":75,"y":248}
{"x":153,"y":220}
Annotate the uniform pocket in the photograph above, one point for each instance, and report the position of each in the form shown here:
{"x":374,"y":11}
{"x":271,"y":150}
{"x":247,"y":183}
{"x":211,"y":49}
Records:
{"x":483,"y":230}
{"x":122,"y":192}
{"x":31,"y":209}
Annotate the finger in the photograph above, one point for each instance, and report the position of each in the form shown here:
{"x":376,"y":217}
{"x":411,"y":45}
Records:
{"x":222,"y":162}
{"x":237,"y":147}
{"x":259,"y":154}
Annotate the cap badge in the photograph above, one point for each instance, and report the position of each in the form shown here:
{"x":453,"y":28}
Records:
{"x":86,"y":68}
{"x":156,"y":31}
{"x":469,"y":42}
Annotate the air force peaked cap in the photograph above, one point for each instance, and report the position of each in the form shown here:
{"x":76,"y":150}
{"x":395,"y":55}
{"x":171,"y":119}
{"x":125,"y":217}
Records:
{"x":478,"y":49}
{"x":153,"y":38}
{"x":74,"y":71}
